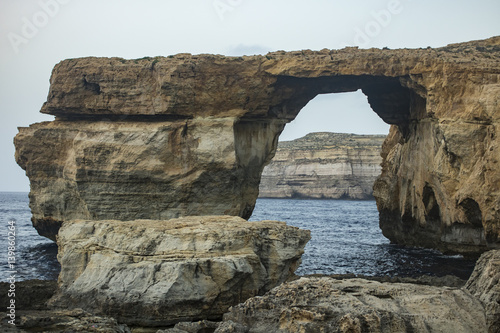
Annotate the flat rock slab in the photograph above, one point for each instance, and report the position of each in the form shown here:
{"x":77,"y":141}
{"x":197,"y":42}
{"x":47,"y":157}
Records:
{"x":161,"y":272}
{"x":356,"y":305}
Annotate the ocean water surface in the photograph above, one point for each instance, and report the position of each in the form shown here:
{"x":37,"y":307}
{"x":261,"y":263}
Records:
{"x":345,"y":239}
{"x":35,"y":256}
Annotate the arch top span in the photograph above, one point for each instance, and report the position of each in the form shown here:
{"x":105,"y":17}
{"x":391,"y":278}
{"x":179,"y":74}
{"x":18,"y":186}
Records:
{"x":190,"y":134}
{"x":390,"y":97}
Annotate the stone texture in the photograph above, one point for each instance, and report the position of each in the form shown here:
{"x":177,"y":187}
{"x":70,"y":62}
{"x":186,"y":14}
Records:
{"x":440,"y":182}
{"x":62,"y":321}
{"x":229,"y":326}
{"x":484,"y":284}
{"x":75,"y":320}
{"x":137,"y":170}
{"x":30,"y":294}
{"x":440,"y":178}
{"x":158,"y":273}
{"x":324,"y":166}
{"x":33,"y":314}
{"x":202,"y":326}
{"x":356,"y":305}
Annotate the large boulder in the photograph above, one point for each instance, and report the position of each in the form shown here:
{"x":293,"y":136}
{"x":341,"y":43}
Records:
{"x":323,"y":304}
{"x":484,"y":284}
{"x":162,"y":272}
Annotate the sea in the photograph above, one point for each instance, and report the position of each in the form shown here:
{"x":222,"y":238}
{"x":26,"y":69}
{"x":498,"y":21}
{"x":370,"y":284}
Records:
{"x":345,"y":239}
{"x":35,"y":257}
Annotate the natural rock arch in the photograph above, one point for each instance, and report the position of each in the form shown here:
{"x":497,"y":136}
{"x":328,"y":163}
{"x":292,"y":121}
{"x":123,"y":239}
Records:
{"x":188,"y":134}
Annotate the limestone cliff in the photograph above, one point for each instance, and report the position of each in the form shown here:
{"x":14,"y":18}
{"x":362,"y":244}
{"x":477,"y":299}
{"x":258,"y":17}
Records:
{"x":324,"y":166}
{"x":190,"y":135}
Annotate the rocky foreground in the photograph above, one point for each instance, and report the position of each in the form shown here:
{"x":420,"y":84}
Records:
{"x":308,"y":304}
{"x":324,"y":166}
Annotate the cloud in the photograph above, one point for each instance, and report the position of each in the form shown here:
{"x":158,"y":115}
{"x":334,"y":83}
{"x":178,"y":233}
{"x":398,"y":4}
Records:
{"x":243,"y":49}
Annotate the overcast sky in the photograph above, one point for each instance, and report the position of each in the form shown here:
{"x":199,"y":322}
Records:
{"x":37,"y":34}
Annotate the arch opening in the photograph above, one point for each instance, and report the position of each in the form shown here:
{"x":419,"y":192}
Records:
{"x":330,"y":151}
{"x":310,"y":166}
{"x":338,"y":112}
{"x":397,"y":100}
{"x":346,"y":237}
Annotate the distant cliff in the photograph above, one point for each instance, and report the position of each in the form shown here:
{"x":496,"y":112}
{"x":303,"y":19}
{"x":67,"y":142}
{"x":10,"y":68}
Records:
{"x":324,"y":166}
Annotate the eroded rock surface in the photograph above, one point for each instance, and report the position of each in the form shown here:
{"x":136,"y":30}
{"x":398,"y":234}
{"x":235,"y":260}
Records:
{"x":125,"y":170}
{"x":190,"y":135}
{"x":157,"y":273}
{"x":202,"y":326}
{"x":356,"y":305}
{"x":484,"y":284}
{"x":63,"y":321}
{"x":324,"y":166}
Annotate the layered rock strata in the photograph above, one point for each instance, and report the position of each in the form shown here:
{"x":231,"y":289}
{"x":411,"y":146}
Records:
{"x":324,"y":166}
{"x":127,"y":169}
{"x":190,"y":135}
{"x":322,"y":304}
{"x":157,"y":273}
